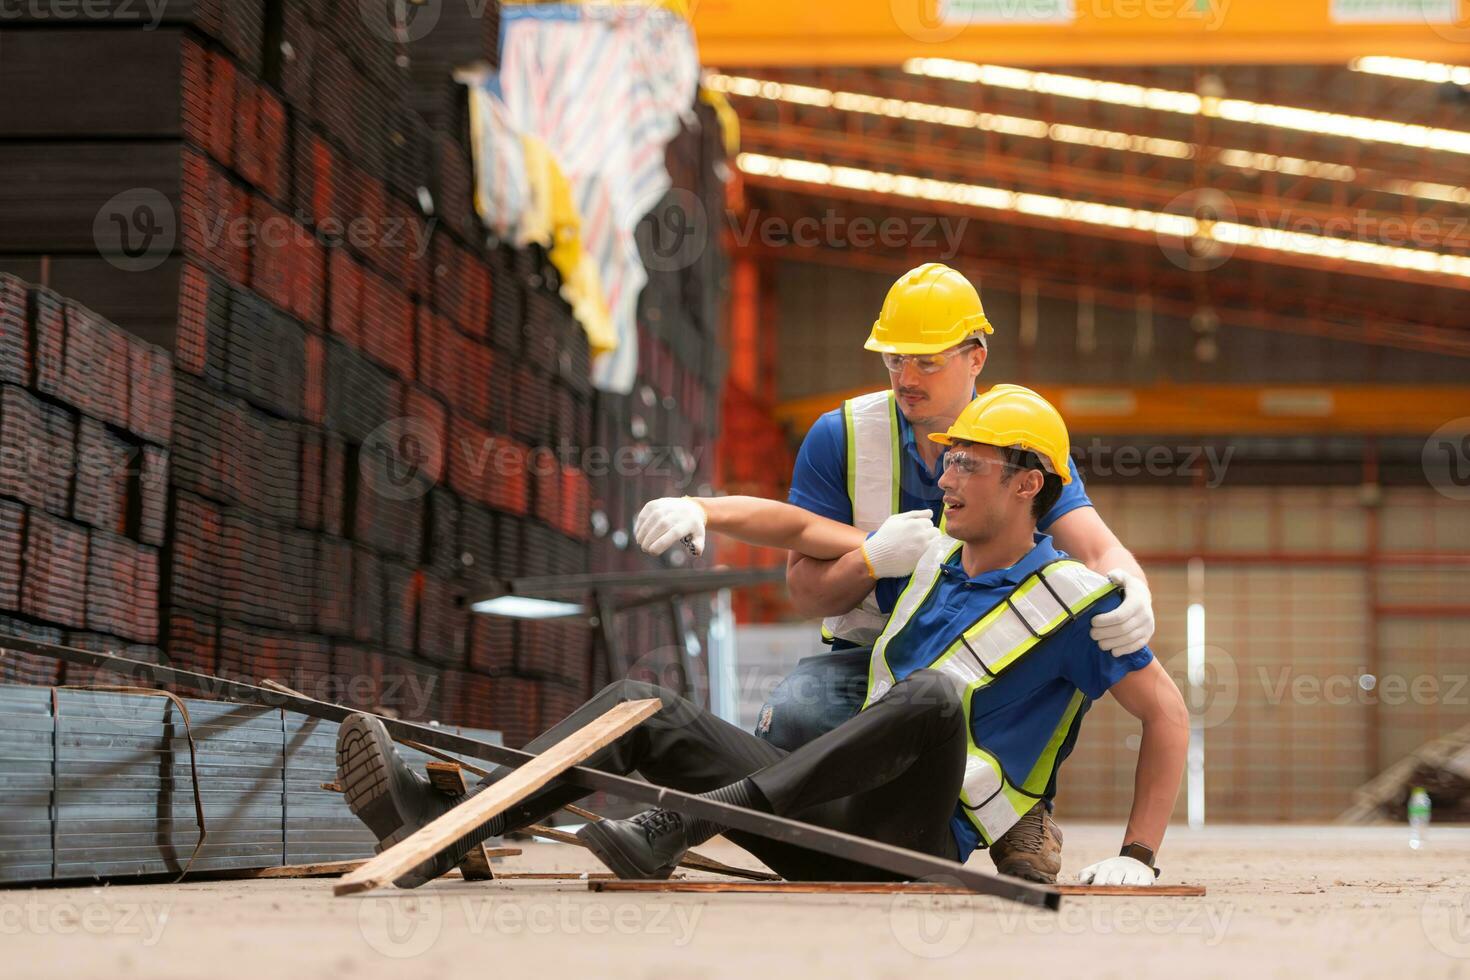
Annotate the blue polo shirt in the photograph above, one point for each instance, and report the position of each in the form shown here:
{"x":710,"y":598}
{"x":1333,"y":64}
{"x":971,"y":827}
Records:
{"x":1042,"y":697}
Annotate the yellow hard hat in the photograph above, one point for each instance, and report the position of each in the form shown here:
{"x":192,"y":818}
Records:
{"x":1013,"y":416}
{"x":929,"y":309}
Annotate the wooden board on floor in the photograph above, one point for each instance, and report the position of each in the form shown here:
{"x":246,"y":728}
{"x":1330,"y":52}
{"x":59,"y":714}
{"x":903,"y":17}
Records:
{"x":446,"y":829}
{"x":325,"y":869}
{"x":876,"y":888}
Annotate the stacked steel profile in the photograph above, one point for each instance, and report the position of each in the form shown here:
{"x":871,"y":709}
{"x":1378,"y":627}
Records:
{"x":335,"y":409}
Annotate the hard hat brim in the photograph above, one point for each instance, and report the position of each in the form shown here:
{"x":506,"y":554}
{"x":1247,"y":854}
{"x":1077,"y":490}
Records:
{"x":889,"y":347}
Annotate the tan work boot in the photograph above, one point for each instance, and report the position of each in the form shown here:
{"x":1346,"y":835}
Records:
{"x":1031,"y":849}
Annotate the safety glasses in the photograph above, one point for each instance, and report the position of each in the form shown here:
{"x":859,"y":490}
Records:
{"x":925,"y":363}
{"x":966,"y":464}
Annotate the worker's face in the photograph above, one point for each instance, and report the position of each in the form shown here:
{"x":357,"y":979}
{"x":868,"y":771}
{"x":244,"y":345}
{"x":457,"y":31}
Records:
{"x":983,"y":494}
{"x":935,"y":400}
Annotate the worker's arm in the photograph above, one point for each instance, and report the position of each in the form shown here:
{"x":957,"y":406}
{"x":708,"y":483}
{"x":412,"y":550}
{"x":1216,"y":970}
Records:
{"x":827,"y":588}
{"x":1149,"y":695}
{"x":774,"y":524}
{"x":890,"y":552}
{"x":1082,"y":534}
{"x":767,"y":523}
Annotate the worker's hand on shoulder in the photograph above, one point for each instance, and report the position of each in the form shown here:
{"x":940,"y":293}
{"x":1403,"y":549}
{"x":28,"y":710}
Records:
{"x":1128,"y":628}
{"x":662,"y":523}
{"x":1117,"y":871}
{"x":896,"y":547}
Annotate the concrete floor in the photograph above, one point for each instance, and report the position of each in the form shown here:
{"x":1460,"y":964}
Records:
{"x":1293,"y":902}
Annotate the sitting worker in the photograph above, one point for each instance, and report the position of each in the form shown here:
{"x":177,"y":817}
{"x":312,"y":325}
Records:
{"x":976,"y":690}
{"x":871,"y":458}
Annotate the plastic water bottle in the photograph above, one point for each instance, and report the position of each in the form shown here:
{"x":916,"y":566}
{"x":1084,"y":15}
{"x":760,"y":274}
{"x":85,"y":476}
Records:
{"x":1418,"y":817}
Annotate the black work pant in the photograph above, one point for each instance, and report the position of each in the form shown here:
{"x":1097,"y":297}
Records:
{"x":891,"y":773}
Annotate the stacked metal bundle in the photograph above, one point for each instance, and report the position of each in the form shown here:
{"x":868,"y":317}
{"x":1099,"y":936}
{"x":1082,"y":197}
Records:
{"x":101,"y":784}
{"x":25,"y":784}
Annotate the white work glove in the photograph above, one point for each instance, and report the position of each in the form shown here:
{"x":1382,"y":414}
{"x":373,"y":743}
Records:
{"x":896,"y":547}
{"x":1128,"y":628}
{"x":1118,"y":870}
{"x":662,"y":523}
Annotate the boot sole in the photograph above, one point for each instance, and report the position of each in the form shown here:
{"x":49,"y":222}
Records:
{"x":610,"y":853}
{"x":363,"y":750}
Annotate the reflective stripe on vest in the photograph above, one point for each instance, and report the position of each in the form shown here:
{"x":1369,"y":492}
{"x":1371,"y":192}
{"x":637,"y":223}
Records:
{"x":1041,"y":605}
{"x":873,"y":475}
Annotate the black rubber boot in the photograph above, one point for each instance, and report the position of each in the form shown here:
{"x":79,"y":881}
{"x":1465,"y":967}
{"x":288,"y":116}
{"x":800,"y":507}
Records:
{"x":648,"y":845}
{"x":394,"y":801}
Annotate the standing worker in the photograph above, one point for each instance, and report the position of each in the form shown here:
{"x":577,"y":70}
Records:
{"x":872,"y":458}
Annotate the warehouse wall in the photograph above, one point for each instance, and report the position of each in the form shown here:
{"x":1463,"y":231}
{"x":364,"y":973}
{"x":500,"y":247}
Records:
{"x":1303,"y":595}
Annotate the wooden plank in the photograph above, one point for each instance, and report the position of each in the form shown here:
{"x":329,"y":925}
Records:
{"x":448,"y":778}
{"x":325,"y":869}
{"x":897,"y":860}
{"x":877,"y":888}
{"x":521,"y":783}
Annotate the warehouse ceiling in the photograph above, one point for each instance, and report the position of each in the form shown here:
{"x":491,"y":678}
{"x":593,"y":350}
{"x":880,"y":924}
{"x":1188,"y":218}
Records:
{"x":1292,"y":199}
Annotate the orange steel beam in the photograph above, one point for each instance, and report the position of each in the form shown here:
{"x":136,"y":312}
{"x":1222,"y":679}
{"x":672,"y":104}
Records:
{"x":1376,"y":330}
{"x":745,"y":303}
{"x":1102,"y":32}
{"x":1222,"y":409}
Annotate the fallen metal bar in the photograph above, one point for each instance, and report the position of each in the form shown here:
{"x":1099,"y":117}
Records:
{"x":875,"y":888}
{"x":681,"y":581}
{"x":896,"y":860}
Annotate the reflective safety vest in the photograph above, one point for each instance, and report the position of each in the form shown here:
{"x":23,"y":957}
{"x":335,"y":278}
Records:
{"x":1039,"y":606}
{"x":873,"y":476}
